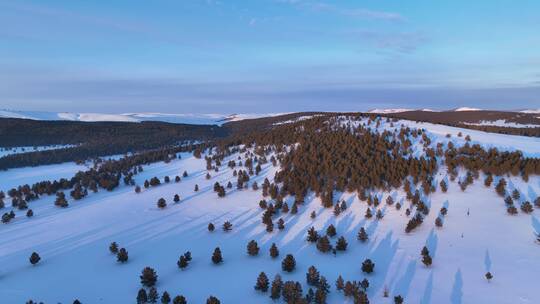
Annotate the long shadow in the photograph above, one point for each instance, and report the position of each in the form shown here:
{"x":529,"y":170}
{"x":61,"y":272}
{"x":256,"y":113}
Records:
{"x":532,"y":194}
{"x":487,"y":261}
{"x":535,"y":224}
{"x":404,"y":284}
{"x":457,"y":290}
{"x":426,"y":298}
{"x":431,"y":242}
{"x":382,"y":256}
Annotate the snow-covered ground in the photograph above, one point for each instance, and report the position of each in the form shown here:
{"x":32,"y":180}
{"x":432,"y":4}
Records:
{"x":502,"y":123}
{"x":17,"y":150}
{"x":477,"y":236}
{"x":198,"y":119}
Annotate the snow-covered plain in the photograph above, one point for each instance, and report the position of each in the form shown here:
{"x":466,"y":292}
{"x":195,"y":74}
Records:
{"x":477,"y":236}
{"x":17,"y":150}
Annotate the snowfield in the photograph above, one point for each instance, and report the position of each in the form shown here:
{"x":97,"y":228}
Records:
{"x":477,"y":236}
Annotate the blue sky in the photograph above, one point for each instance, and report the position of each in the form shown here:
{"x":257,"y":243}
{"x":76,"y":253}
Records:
{"x":268,"y":55}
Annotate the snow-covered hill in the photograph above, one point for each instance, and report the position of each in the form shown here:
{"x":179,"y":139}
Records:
{"x":198,"y":119}
{"x":477,"y":236}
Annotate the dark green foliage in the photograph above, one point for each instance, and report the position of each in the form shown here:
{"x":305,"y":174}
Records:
{"x":341,"y":244}
{"x":179,"y":300}
{"x":161,"y":203}
{"x":289,"y":263}
{"x":153,"y":295}
{"x":253,"y":248}
{"x":274,"y":251}
{"x":368,"y":266}
{"x":362,"y":235}
{"x":331,"y":231}
{"x":227,"y":226}
{"x":262,"y":282}
{"x":312,"y":276}
{"x":142,"y":297}
{"x":398,"y":299}
{"x":275,"y":290}
{"x":113,"y":248}
{"x":148,"y":277}
{"x":212,"y":300}
{"x":216,"y":256}
{"x":211,"y":227}
{"x":313,"y":236}
{"x":122,"y":255}
{"x":323,"y":244}
{"x":34,"y":258}
{"x":165,"y":298}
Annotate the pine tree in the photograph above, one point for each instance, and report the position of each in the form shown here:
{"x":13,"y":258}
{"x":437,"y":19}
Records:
{"x":313,"y":236}
{"x":182,"y":262}
{"x":341,"y":244}
{"x":343,"y":206}
{"x":262,"y":282}
{"x":34,"y":258}
{"x":489,"y":276}
{"x":379,"y":215}
{"x":165,"y":298}
{"x":212,"y":300}
{"x":362,"y":235}
{"x":113,"y":248}
{"x":438,"y":222}
{"x":277,"y":285}
{"x":337,"y":210}
{"x":331,"y":231}
{"x":313,"y":215}
{"x":227,"y":226}
{"x":179,"y":300}
{"x":289,"y":263}
{"x":176,"y":198}
{"x":122,"y":255}
{"x":253,"y":248}
{"x":368,"y":213}
{"x":281,"y":224}
{"x":161,"y":203}
{"x":444,"y":186}
{"x":426,"y":258}
{"x":142,"y":297}
{"x":29,"y":213}
{"x":340,"y":284}
{"x":274,"y":252}
{"x":196,"y":188}
{"x":312,"y":276}
{"x":153,"y":295}
{"x":323,"y":244}
{"x":364,"y":284}
{"x":216,"y":256}
{"x":398,"y":299}
{"x":368,"y":266}
{"x":148,"y":277}
{"x":211,"y":227}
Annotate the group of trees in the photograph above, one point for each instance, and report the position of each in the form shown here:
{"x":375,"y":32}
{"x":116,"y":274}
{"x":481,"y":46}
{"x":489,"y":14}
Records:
{"x":121,"y":254}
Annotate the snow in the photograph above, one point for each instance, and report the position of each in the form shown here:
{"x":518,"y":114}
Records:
{"x":17,"y":150}
{"x":389,"y":111}
{"x":189,"y":118}
{"x":502,"y":123}
{"x":462,"y":109}
{"x":76,"y":263}
{"x":531,"y":111}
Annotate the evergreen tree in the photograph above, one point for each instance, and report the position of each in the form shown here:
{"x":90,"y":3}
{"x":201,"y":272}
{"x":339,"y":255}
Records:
{"x":398,"y":299}
{"x":323,"y":244}
{"x":122,"y":255}
{"x":196,"y":188}
{"x":362,"y":235}
{"x":368,"y":213}
{"x":29,"y":213}
{"x":289,"y":263}
{"x":148,"y":277}
{"x":337,"y":210}
{"x":142,"y":297}
{"x":262,"y":282}
{"x":227,"y":226}
{"x":313,"y":215}
{"x":176,"y":198}
{"x":179,"y":300}
{"x":340,"y":284}
{"x":34,"y":258}
{"x":182,"y":262}
{"x":281,"y":224}
{"x":274,"y":252}
{"x":212,"y":300}
{"x":216,"y":256}
{"x":113,"y":248}
{"x":312,"y":276}
{"x":331,"y":231}
{"x":275,"y":290}
{"x":313,"y":236}
{"x":253,"y":248}
{"x":368,"y":266}
{"x":161,"y":203}
{"x":211,"y":227}
{"x":153,"y":295}
{"x":364,"y":284}
{"x":341,"y":244}
{"x":343,"y":206}
{"x":489,"y":276}
{"x":165,"y":298}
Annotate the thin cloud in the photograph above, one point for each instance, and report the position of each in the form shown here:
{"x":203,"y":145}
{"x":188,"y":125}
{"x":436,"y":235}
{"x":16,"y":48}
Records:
{"x":362,"y":13}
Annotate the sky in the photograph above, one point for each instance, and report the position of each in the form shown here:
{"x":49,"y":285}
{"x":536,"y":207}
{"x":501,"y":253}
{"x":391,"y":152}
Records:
{"x":257,"y":56}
